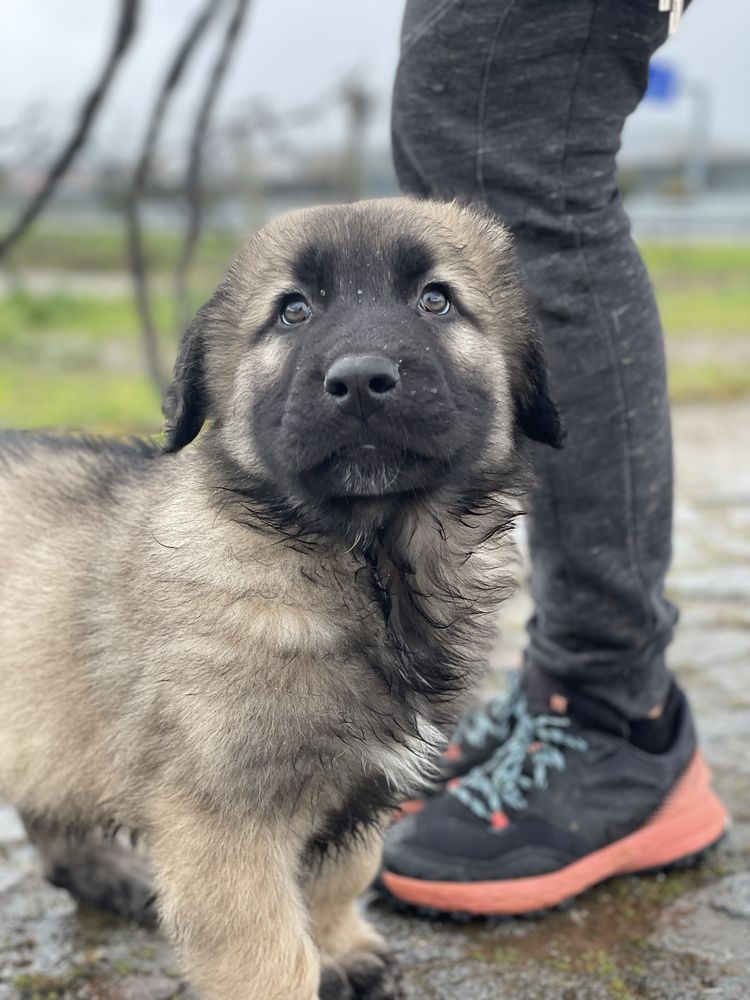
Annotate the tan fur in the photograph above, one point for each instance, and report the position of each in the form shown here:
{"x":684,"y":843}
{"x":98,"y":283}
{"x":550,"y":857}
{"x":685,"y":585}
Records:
{"x":228,"y":888}
{"x":340,"y":932}
{"x":166,"y":664}
{"x":230,"y":897}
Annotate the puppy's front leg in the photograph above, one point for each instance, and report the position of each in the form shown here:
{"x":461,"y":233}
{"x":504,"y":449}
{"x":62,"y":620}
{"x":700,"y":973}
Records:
{"x":229,"y":896}
{"x":355,"y":957}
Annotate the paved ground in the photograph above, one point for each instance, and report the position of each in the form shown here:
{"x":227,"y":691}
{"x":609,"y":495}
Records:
{"x":677,"y":937}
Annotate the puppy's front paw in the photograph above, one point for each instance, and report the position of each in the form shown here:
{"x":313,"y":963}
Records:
{"x":363,"y":976}
{"x":374,"y":976}
{"x":334,"y":985}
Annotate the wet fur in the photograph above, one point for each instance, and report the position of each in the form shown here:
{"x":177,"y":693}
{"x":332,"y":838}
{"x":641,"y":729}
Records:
{"x":202,"y":644}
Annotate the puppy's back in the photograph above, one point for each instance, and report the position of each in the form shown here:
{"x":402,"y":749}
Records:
{"x":59,"y":498}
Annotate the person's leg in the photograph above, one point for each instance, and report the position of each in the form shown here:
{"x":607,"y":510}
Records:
{"x":520,"y":104}
{"x":589,"y":768}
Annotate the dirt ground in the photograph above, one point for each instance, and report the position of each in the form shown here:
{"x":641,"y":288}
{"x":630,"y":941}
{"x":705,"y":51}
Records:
{"x":673,"y":937}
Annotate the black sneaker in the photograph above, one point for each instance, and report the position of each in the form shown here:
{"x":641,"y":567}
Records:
{"x":575,"y":795}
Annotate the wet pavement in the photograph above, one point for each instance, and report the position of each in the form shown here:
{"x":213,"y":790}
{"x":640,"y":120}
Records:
{"x":666,"y":937}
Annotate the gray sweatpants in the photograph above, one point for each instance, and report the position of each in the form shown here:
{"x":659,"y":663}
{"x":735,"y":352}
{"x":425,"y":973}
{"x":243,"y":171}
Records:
{"x":520,"y":104}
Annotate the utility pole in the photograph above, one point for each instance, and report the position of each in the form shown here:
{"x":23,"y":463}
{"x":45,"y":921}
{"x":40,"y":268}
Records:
{"x":359,"y":105}
{"x":697,"y":159}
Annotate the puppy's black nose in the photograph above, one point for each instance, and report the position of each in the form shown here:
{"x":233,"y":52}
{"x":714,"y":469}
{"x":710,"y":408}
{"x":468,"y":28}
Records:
{"x":359,"y":383}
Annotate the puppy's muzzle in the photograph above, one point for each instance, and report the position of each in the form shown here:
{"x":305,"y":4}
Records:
{"x":359,"y":384}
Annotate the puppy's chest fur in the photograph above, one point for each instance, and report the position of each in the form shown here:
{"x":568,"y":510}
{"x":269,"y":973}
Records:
{"x":324,"y":677}
{"x":423,"y":647}
{"x":297,"y":677}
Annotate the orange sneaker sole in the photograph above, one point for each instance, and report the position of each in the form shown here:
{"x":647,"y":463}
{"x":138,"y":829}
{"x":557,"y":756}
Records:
{"x":691,"y":820}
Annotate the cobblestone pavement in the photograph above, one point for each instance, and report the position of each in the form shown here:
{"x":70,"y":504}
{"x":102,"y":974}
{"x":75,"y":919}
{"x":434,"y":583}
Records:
{"x":674,"y":937}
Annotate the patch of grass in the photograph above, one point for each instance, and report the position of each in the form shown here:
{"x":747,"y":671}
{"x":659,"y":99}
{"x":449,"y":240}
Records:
{"x":704,"y":310}
{"x":701,"y":288}
{"x":96,"y":401}
{"x":23,"y":315}
{"x":77,"y":361}
{"x":147,"y":953}
{"x":663,"y":888}
{"x":101,"y":251}
{"x":597,"y":964}
{"x":687,"y":261}
{"x":691,"y":383}
{"x":39,"y":986}
{"x":506,"y":954}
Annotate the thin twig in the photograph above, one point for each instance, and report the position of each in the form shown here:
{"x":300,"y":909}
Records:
{"x":193,"y":177}
{"x":124,"y":33}
{"x":136,"y":252}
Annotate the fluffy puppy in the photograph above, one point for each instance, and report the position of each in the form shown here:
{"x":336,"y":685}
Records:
{"x":245,"y":646}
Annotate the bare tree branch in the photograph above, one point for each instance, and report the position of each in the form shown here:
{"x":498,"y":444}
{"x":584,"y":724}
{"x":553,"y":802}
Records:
{"x":193,"y":177}
{"x":180,"y":61}
{"x":124,"y":33}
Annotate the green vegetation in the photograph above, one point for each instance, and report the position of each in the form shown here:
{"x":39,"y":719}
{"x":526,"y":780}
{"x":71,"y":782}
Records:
{"x":85,"y":400}
{"x":104,"y":251}
{"x":24,"y":316}
{"x":39,"y":986}
{"x":73,"y":357}
{"x":702,"y":289}
{"x":706,"y":308}
{"x":75,"y":361}
{"x":704,"y":299}
{"x":725,"y":379}
{"x":686,"y":261}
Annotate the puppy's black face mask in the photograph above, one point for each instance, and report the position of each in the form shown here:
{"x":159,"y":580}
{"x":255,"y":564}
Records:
{"x":370,"y":401}
{"x":364,"y":354}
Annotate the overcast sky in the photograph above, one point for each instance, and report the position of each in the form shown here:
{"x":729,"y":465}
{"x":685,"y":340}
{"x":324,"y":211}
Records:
{"x":296,"y":49}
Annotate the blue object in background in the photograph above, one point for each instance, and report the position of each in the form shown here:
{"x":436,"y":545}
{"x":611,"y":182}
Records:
{"x":663,"y":82}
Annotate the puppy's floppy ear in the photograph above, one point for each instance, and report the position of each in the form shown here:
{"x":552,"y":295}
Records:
{"x":185,"y":405}
{"x":537,"y":416}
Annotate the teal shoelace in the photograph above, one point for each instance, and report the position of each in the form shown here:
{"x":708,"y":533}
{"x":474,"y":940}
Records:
{"x":493,"y":721}
{"x":523,"y":762}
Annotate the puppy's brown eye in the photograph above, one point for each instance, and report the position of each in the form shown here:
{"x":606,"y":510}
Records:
{"x":434,"y":299}
{"x":295,"y":309}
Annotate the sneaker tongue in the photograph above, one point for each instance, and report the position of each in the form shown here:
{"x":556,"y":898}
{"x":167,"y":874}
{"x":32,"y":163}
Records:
{"x":548,"y":695}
